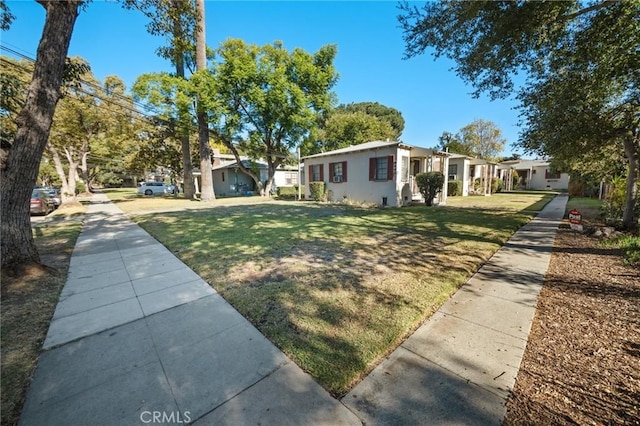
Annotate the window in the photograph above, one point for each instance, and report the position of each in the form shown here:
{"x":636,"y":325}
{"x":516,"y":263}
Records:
{"x":338,"y":172}
{"x":551,"y":174}
{"x":453,"y":171}
{"x":316,"y":173}
{"x":291,"y":178}
{"x":404,"y":176}
{"x":381,"y":168}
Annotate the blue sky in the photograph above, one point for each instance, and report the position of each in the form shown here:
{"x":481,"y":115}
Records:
{"x":432,"y":98}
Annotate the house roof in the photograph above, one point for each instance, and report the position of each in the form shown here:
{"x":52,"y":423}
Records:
{"x":245,"y":163}
{"x":369,"y":146}
{"x":472,"y":160}
{"x":523,"y":164}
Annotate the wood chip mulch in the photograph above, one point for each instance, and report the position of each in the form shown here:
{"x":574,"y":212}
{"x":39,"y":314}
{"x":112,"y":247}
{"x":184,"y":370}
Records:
{"x":582,"y":360}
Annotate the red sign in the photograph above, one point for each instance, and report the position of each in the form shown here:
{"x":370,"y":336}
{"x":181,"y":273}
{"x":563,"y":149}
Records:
{"x":575,"y":217}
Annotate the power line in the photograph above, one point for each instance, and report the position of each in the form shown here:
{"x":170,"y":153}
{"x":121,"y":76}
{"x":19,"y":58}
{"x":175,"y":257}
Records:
{"x":89,"y":83}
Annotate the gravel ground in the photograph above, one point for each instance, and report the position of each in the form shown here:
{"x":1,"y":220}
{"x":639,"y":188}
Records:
{"x":582,"y":361}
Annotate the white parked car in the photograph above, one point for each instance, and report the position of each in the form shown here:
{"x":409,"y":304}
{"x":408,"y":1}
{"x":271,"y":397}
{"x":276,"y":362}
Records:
{"x":155,"y":188}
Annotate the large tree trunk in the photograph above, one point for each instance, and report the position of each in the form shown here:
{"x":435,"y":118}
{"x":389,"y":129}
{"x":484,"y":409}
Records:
{"x":206,"y":174}
{"x":632,"y":150}
{"x":20,"y":170}
{"x":189,"y":188}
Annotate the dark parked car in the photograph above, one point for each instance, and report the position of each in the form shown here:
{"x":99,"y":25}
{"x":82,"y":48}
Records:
{"x":41,"y":202}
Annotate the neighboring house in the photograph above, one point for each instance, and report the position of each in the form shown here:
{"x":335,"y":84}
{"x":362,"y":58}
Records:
{"x":375,"y":172}
{"x":229,"y":179}
{"x":532,"y":174}
{"x":468,"y":169}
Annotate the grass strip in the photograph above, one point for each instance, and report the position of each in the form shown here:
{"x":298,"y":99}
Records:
{"x":27,"y":305}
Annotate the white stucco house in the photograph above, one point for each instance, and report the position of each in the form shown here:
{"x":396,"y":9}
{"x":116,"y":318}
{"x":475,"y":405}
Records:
{"x":532,"y":174}
{"x":468,"y":169}
{"x":229,"y":179}
{"x":375,"y":172}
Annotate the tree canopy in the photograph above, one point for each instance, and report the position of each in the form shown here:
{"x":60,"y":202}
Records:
{"x":480,"y":138}
{"x":581,"y":62}
{"x":352,"y":124}
{"x":264,"y":100}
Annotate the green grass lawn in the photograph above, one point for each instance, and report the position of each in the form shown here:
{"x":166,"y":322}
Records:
{"x":129,"y":201}
{"x":590,"y":208}
{"x":336,"y":287}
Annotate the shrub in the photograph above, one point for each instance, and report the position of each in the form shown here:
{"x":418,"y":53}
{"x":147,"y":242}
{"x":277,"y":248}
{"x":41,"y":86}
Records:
{"x":613,"y":207}
{"x":496,"y":185}
{"x":317,"y":190}
{"x":454,"y":187}
{"x":81,"y":188}
{"x":430,"y":184}
{"x":287,"y":191}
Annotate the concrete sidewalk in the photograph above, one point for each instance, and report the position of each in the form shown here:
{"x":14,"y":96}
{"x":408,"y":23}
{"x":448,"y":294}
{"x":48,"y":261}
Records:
{"x":138,"y":338}
{"x":459,"y":367}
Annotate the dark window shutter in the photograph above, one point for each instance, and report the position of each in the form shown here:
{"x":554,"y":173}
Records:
{"x":310,"y":179}
{"x":372,"y":168}
{"x":321,"y":172}
{"x":344,"y":171}
{"x":390,"y":168}
{"x":331,"y":170}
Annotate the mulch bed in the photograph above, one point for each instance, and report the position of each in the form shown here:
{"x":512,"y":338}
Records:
{"x":582,"y":361}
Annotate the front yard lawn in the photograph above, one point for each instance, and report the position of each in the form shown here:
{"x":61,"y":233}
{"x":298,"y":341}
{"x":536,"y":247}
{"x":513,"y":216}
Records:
{"x":337,"y":288}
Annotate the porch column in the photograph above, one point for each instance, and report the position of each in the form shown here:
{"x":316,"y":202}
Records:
{"x":444,"y":162}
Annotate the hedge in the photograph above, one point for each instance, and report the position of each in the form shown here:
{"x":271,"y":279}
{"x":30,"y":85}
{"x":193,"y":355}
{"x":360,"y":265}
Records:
{"x":317,"y":190}
{"x":454,"y":187}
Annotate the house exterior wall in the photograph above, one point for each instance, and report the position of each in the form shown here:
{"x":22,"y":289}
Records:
{"x":358,"y":185}
{"x":462,"y":173}
{"x":228,"y":182}
{"x":541,"y":180}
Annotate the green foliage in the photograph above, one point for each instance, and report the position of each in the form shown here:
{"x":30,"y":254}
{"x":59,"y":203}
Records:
{"x":629,"y":243}
{"x":454,"y":188}
{"x":287,"y":191}
{"x":480,"y":138}
{"x":353,"y":124}
{"x":496,"y":185}
{"x":452,"y":143}
{"x":317,"y":190}
{"x":430,"y":184}
{"x":484,"y":138}
{"x":387,"y":114}
{"x":81,"y":187}
{"x":266,"y":97}
{"x":579,"y":102}
{"x":613,"y":207}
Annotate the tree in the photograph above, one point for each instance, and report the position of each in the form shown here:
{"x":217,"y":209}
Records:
{"x":582,"y":62}
{"x":175,"y":19}
{"x":173,"y":99}
{"x":453,"y":143}
{"x":265,"y":100}
{"x":206,"y":174}
{"x":20,"y":162}
{"x":430,"y":184}
{"x":343,"y":129}
{"x":353,"y":124}
{"x":387,"y":114}
{"x":483,"y":138}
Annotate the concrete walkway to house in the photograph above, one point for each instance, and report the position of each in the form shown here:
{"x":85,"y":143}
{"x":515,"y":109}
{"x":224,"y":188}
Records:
{"x":138,"y":338}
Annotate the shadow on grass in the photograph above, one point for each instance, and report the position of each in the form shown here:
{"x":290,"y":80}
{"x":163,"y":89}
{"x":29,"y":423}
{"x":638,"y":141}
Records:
{"x":335,"y":287}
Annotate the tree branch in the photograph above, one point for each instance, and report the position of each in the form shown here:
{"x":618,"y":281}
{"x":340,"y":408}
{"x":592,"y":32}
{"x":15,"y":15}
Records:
{"x":605,"y":3}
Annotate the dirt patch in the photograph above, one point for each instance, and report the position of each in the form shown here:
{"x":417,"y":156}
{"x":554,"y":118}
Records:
{"x":582,"y":361}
